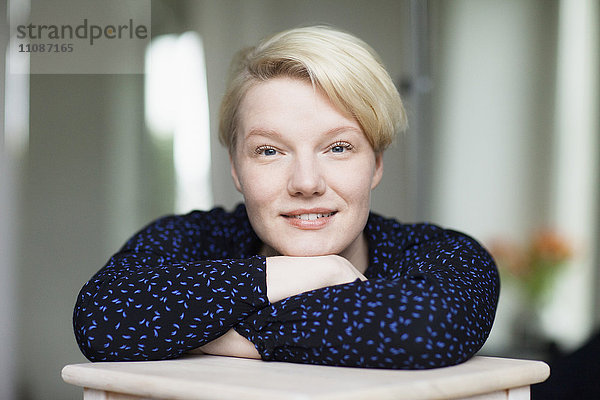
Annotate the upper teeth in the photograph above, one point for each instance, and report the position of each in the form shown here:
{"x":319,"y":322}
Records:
{"x":312,"y":216}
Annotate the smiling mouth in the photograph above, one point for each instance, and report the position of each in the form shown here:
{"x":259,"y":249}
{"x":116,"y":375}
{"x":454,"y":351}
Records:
{"x":311,"y":216}
{"x":314,"y":219}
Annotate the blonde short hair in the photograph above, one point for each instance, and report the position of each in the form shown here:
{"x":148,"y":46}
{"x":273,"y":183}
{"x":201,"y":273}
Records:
{"x":345,"y":68}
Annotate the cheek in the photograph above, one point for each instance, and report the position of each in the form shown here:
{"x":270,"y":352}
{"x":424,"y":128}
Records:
{"x":258,"y":185}
{"x":353,"y":180}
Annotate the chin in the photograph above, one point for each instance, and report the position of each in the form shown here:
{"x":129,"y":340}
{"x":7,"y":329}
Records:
{"x":308,"y":250}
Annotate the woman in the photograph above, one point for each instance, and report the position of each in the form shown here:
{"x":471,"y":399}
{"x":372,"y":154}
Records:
{"x":302,"y":272}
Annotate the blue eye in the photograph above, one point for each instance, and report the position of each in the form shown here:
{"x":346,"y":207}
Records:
{"x":266,"y":151}
{"x":340,"y":147}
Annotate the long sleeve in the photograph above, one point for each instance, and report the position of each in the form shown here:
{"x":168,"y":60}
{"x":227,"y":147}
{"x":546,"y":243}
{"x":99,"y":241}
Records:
{"x":429,"y":302}
{"x":170,"y":289}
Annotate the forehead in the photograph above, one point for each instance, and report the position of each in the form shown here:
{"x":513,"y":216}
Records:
{"x":285,"y":104}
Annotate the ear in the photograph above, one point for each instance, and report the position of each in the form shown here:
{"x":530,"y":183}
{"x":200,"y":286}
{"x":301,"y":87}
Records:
{"x":234,"y":175}
{"x":378,"y":172}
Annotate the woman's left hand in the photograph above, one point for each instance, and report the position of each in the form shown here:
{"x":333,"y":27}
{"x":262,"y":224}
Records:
{"x":289,"y":276}
{"x":230,"y":344}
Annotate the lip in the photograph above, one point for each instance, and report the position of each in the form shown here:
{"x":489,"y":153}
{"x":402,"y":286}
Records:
{"x":314,"y":224}
{"x":301,"y":211}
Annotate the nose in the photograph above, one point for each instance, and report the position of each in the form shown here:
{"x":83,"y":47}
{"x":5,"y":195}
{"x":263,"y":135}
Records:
{"x":306,"y":178}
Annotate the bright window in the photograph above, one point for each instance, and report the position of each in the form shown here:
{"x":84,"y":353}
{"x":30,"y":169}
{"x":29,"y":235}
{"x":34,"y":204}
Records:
{"x":176,"y":107}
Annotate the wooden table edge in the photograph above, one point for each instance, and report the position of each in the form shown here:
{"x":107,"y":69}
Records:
{"x":86,"y":375}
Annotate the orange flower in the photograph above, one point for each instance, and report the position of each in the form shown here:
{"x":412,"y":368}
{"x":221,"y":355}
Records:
{"x":550,"y":246}
{"x":509,"y":257}
{"x":535,"y":265}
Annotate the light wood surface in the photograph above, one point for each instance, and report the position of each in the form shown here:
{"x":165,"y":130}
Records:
{"x":212,"y":377}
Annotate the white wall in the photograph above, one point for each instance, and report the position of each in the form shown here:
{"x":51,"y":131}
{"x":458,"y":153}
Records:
{"x":576,"y":170}
{"x":8,"y":172}
{"x":65,"y":215}
{"x":13,"y":141}
{"x":494,"y":99}
{"x":494,"y":126}
{"x":511,"y":156}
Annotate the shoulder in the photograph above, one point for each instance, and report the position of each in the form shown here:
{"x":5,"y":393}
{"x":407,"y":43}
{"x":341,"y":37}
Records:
{"x":195,"y":228}
{"x":397,"y":248}
{"x":216,"y":218}
{"x":382,"y":229}
{"x":388,"y":232}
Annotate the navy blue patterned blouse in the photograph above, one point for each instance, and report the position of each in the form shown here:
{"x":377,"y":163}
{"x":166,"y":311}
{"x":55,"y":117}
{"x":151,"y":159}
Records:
{"x":429,"y":301}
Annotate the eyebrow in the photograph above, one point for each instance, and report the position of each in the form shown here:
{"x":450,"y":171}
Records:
{"x":330,"y":132}
{"x":263,"y":132}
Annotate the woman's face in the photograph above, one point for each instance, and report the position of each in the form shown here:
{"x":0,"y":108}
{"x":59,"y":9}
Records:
{"x":306,"y":170}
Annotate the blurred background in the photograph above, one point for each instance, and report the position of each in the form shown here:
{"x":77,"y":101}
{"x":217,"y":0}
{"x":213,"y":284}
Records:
{"x":504,"y":144}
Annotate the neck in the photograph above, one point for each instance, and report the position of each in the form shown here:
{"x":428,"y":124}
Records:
{"x":358,"y":253}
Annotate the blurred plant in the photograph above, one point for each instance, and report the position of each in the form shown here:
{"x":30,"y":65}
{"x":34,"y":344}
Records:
{"x":534,"y":266}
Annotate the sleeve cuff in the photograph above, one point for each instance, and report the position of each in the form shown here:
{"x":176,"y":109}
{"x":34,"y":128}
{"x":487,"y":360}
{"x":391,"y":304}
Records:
{"x":259,"y":282}
{"x":262,"y":345}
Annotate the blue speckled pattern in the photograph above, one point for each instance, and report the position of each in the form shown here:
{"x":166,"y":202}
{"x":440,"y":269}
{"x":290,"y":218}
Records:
{"x":429,"y":301}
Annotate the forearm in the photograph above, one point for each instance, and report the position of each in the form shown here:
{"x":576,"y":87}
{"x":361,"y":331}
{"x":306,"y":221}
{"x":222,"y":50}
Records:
{"x":370,"y":324}
{"x":144,"y":313}
{"x":437,"y":311}
{"x":285,"y":277}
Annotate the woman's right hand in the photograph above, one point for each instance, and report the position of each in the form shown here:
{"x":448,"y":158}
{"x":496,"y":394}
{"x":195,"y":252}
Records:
{"x":289,"y":276}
